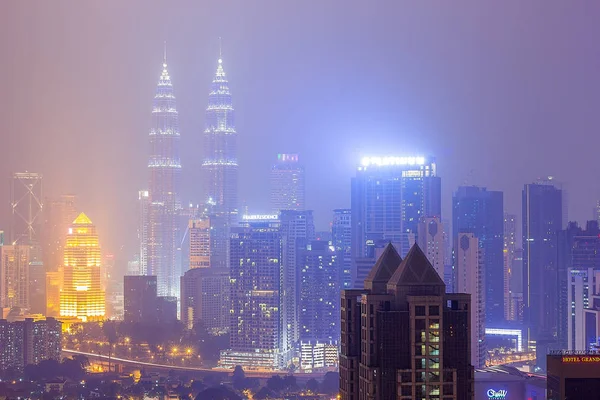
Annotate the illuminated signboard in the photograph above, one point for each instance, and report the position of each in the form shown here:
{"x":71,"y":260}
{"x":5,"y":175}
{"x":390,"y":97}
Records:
{"x":497,"y":394}
{"x":581,"y":359}
{"x":385,"y":161}
{"x":258,"y":217}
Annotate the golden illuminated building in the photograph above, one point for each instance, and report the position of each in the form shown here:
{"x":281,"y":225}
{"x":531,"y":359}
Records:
{"x":82,"y":295}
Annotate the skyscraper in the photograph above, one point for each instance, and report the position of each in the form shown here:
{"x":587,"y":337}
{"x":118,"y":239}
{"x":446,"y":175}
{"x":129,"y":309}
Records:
{"x":403,"y":337}
{"x":59,"y":213}
{"x":390,"y":195}
{"x":26,"y":199}
{"x":82,"y":295}
{"x":287,"y":184}
{"x":341,"y":235}
{"x":319,"y":319}
{"x":431,"y":241}
{"x":469,"y":279}
{"x":510,"y":245}
{"x":205,"y":297}
{"x":481,"y":212}
{"x":297,"y":228}
{"x":164,"y":166}
{"x":578,"y":253}
{"x":14,"y":276}
{"x":143,"y":211}
{"x":256,"y":325}
{"x":139,"y":294}
{"x":205,"y":287}
{"x":29,"y":342}
{"x":542,"y":219}
{"x":220,"y":145}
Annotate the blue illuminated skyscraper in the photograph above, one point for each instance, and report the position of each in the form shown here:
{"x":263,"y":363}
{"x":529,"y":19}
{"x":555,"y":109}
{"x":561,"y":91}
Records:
{"x":164,"y":166}
{"x":220,"y":143}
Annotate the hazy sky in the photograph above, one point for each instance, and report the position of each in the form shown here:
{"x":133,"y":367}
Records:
{"x":500,"y":92}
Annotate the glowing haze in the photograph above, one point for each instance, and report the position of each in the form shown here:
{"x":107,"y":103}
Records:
{"x":498,"y":93}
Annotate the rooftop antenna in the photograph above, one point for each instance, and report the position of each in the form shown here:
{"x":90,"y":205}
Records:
{"x":220,"y":47}
{"x":165,"y":52}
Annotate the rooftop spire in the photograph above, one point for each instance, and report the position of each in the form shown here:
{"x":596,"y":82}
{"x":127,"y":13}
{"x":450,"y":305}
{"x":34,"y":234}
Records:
{"x":220,"y":48}
{"x":165,"y":52}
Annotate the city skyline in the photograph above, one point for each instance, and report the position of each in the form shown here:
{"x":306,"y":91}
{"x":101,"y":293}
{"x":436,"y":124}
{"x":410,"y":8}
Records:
{"x":409,"y":104}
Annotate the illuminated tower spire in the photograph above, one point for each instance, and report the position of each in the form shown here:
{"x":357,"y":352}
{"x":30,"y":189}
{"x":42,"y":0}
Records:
{"x":164,"y":166}
{"x":220,"y":160}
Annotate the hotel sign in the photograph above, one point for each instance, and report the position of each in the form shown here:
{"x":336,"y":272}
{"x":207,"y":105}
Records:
{"x":580,"y":359}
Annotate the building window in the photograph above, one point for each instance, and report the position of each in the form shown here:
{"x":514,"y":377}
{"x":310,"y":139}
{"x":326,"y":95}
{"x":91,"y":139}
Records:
{"x":420,"y":311}
{"x":434,"y":310}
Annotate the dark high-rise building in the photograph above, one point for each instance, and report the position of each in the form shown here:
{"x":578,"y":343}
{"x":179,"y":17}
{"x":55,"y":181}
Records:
{"x":390,"y":195}
{"x":318,"y":264}
{"x":164,"y":166}
{"x":542,"y":219}
{"x":139,"y":296}
{"x":205,"y":297}
{"x":402,"y":336}
{"x":287,"y":184}
{"x":256,"y":322}
{"x":481,"y":212}
{"x":166,"y":309}
{"x":220,"y":146}
{"x":341,"y":236}
{"x":510,"y":245}
{"x":578,"y":252}
{"x":297,"y":228}
{"x":29,"y":342}
{"x":573,"y":376}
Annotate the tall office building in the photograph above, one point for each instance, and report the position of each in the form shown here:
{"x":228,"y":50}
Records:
{"x":542,"y":219}
{"x":481,"y":212}
{"x":82,"y":295}
{"x":14,"y":276}
{"x":29,"y":342}
{"x":164,"y":166}
{"x":205,"y":297}
{"x":319,"y":301}
{"x":390,"y":195}
{"x":431,"y":240}
{"x":220,"y":163}
{"x":341,"y":236}
{"x":287,"y":184}
{"x":403,"y":337}
{"x":256,"y":322}
{"x":59,"y":213}
{"x":582,"y":286}
{"x":26,"y":199}
{"x":470,"y":279}
{"x":578,"y":252}
{"x":143,"y":305}
{"x":510,"y":245}
{"x":143,"y":211}
{"x":297,"y":228}
{"x":516,"y":287}
{"x":205,"y":287}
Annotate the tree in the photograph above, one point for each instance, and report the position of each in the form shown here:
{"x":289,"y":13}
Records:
{"x":265,"y":393}
{"x":312,"y":385}
{"x":331,"y":383}
{"x":238,"y":378}
{"x":289,"y":382}
{"x":217,"y":393}
{"x":275,"y":383}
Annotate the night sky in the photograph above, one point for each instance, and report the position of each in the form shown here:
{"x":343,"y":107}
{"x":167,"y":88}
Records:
{"x":501,"y":93}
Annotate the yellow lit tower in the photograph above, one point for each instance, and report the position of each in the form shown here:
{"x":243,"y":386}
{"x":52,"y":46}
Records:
{"x":82,"y":295}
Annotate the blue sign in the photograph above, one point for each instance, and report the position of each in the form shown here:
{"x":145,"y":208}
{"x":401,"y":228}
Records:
{"x":496,"y":394}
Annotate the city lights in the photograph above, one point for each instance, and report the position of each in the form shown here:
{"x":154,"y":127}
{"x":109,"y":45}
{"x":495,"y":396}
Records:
{"x":392,"y":161}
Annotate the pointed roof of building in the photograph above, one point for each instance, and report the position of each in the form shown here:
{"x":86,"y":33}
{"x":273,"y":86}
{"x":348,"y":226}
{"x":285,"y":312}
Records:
{"x":415,"y":270}
{"x":383,"y":269}
{"x":82,"y":219}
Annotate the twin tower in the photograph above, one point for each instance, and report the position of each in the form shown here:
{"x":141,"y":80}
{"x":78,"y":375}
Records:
{"x":161,"y":230}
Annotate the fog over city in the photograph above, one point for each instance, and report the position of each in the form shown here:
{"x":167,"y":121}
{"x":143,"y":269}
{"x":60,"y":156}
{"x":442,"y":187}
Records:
{"x":500,"y":94}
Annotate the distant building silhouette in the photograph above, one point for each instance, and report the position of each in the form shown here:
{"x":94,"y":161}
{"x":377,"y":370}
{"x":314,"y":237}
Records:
{"x":403,"y":337}
{"x":542,"y":219}
{"x":288,"y":190}
{"x":481,"y":212}
{"x":341,"y":236}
